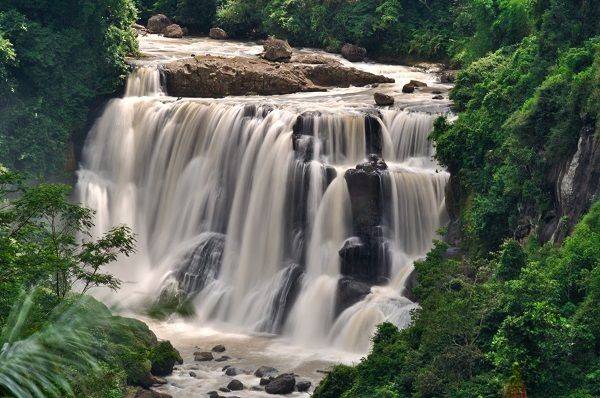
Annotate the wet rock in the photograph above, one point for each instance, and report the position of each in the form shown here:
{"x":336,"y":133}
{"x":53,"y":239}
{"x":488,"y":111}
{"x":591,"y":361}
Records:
{"x":416,"y":83}
{"x":214,"y":76}
{"x":224,"y":389}
{"x":303,"y":385}
{"x":349,"y":292}
{"x":256,"y":388}
{"x":353,"y":53}
{"x":163,"y":358}
{"x":409,"y":285}
{"x":382,"y":99}
{"x":282,"y":384}
{"x":158,"y":23}
{"x":373,"y":134}
{"x":193,"y":374}
{"x":212,"y":394}
{"x":233,"y":371}
{"x":223,"y":358}
{"x":277,"y":50}
{"x":265,"y":371}
{"x":265,"y":380}
{"x":203,"y":356}
{"x":173,"y":31}
{"x":159,"y":381}
{"x":438,"y":97}
{"x":146,"y":393}
{"x":315,"y":59}
{"x":218,"y":348}
{"x":225,"y":367}
{"x":235,"y":385}
{"x":408,"y":89}
{"x":217,"y":34}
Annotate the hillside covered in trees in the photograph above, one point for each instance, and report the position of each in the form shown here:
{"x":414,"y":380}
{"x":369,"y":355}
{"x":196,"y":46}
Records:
{"x":509,"y":298}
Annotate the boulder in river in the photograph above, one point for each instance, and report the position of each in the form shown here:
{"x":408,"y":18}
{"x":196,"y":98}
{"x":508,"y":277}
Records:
{"x":218,"y":348}
{"x":277,"y":50}
{"x":214,"y":76}
{"x":217,"y":34}
{"x":235,"y":385}
{"x":382,"y":99}
{"x":265,"y":371}
{"x":173,"y":31}
{"x":349,"y":292}
{"x":203,"y":356}
{"x":223,"y":358}
{"x":233,"y":371}
{"x":353,"y":53}
{"x":408,"y":89}
{"x":147,"y":393}
{"x":158,"y":23}
{"x":303,"y":385}
{"x":265,"y":380}
{"x":282,"y":384}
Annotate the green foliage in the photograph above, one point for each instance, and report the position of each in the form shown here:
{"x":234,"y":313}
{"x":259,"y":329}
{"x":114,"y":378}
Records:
{"x":196,"y":15}
{"x":163,"y":357}
{"x":525,"y":317}
{"x":56,"y":58}
{"x":45,"y":240}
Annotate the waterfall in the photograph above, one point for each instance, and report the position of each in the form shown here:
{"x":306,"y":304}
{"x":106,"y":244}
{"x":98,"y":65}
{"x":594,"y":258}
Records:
{"x":243,"y":208}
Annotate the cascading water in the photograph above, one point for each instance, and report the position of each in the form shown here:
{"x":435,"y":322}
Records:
{"x":247,"y":209}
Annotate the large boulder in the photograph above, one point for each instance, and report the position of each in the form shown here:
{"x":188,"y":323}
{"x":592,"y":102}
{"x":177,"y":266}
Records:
{"x":158,"y":23}
{"x":350,"y":292}
{"x":382,"y":99}
{"x":163,"y":358}
{"x":277,"y":50}
{"x":217,"y":34}
{"x":218,"y":348}
{"x":214,"y":76}
{"x":173,"y":31}
{"x":282,"y":384}
{"x":353,"y":53}
{"x":303,"y":385}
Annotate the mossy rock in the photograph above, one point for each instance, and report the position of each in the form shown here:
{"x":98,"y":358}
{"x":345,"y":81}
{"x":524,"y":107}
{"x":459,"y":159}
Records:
{"x":163,"y":358}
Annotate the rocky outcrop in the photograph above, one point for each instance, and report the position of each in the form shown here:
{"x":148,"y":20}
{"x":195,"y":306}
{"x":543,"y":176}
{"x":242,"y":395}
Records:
{"x":349,"y":292}
{"x":146,"y":393}
{"x":158,"y":23}
{"x":217,"y":34}
{"x":203,"y":356}
{"x":366,"y":257}
{"x":382,"y":99}
{"x":173,"y":31}
{"x":353,"y":53}
{"x":213,"y":76}
{"x":277,"y":50}
{"x":577,"y":186}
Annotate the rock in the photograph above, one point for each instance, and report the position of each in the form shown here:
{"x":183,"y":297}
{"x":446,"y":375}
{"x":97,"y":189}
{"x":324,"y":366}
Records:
{"x":277,"y":50}
{"x":217,"y":34}
{"x":382,"y":99}
{"x":303,"y":385}
{"x":224,"y":389}
{"x":416,"y":83}
{"x":222,"y":359}
{"x":163,"y":358}
{"x":438,"y":97}
{"x":159,"y":381}
{"x":430,"y":67}
{"x":212,"y":394}
{"x":214,"y":76}
{"x":282,"y":384}
{"x":256,"y":388}
{"x":232,"y":371}
{"x":193,"y":374}
{"x":408,"y":89}
{"x":266,"y":371}
{"x":353,"y":53}
{"x":225,"y":367}
{"x":314,"y":59}
{"x":145,"y":393}
{"x":235,"y":385}
{"x":157,"y":23}
{"x":203,"y":356}
{"x":265,"y":380}
{"x":350,"y":292}
{"x":448,"y":76}
{"x":173,"y":31}
{"x":218,"y":348}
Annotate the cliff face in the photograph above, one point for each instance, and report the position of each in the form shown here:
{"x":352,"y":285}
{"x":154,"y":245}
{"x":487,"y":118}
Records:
{"x":576,"y":187}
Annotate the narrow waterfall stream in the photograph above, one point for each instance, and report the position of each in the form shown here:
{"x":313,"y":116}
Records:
{"x":270,"y":217}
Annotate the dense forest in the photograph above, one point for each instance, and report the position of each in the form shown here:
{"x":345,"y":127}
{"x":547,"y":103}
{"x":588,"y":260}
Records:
{"x":516,"y":308}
